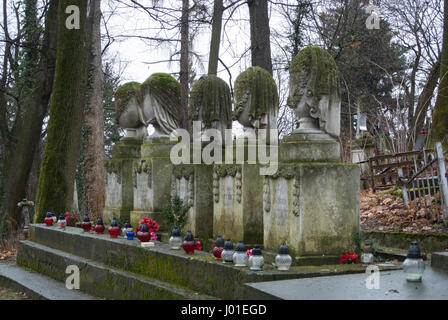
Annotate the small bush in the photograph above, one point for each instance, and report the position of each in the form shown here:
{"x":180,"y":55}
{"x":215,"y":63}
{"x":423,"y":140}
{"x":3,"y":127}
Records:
{"x":176,"y":213}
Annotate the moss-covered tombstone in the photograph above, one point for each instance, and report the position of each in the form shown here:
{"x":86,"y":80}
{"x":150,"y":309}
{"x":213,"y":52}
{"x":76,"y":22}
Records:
{"x":315,"y":94}
{"x":160,"y":96}
{"x":256,"y":99}
{"x":211,"y":103}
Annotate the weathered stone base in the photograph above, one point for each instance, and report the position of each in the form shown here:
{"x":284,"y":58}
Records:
{"x":238,"y":203}
{"x":305,"y":147}
{"x":193,"y":184}
{"x":119,"y":213}
{"x":313,"y":207}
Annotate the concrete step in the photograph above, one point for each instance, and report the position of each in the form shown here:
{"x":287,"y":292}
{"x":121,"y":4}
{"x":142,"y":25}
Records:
{"x":199,"y":272}
{"x":37,"y":286}
{"x":96,"y":278}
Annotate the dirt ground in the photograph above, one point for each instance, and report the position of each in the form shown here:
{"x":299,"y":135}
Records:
{"x":386,"y":212}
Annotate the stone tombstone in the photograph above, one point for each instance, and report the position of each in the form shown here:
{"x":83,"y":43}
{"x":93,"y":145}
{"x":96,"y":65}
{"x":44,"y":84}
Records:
{"x":312,"y":202}
{"x":138,"y":177}
{"x":315,"y":98}
{"x":160,"y":96}
{"x":256,"y":99}
{"x":237,"y":202}
{"x":193,"y":184}
{"x":211,"y":103}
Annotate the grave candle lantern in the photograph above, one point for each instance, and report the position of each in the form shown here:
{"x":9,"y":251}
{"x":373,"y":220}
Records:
{"x":61,"y":221}
{"x":240,"y":256}
{"x":114,"y":230}
{"x":53,"y":215}
{"x":124,"y":230}
{"x":99,"y":227}
{"x":256,"y":260}
{"x":414,"y":266}
{"x":283,"y":260}
{"x":130,"y":232}
{"x":143,"y":233}
{"x":189,"y":245}
{"x":227,"y":252}
{"x":175,"y":239}
{"x":86,"y":225}
{"x":48,"y":219}
{"x":219,"y":247}
{"x":367,"y":256}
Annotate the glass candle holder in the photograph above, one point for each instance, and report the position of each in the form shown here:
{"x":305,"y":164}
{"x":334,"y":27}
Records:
{"x":240,"y":258}
{"x":219,"y":247}
{"x":61,"y":221}
{"x":49,"y":219}
{"x":175,"y":239}
{"x":130,"y":233}
{"x":413,"y":266}
{"x":227,"y":252}
{"x":283,"y":260}
{"x":367,"y":256}
{"x":256,"y":260}
{"x":125,"y":228}
{"x":86,"y":225}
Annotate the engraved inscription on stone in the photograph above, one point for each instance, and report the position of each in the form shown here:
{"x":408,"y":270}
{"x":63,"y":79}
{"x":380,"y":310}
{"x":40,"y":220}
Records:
{"x":281,"y":202}
{"x":228,"y":191}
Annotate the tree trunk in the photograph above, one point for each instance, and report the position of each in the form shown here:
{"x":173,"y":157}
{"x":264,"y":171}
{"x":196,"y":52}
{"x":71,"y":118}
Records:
{"x":439,"y":127}
{"x":216,"y":37}
{"x":259,"y":34}
{"x":424,"y":101}
{"x":184,"y":64}
{"x":19,"y":165}
{"x":57,"y":174}
{"x":91,"y":165}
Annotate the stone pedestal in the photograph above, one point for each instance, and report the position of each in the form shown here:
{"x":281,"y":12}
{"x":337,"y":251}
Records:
{"x":312,"y":202}
{"x":313,"y":207}
{"x":151,"y":181}
{"x":238,"y":202}
{"x":310,"y":145}
{"x":193,"y":184}
{"x":119,"y":180}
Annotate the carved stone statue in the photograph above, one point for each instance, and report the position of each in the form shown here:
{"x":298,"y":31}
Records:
{"x":161,"y":103}
{"x":211,"y":103}
{"x":156,"y":102}
{"x":314,"y":92}
{"x":128,"y":111}
{"x":256,"y":99}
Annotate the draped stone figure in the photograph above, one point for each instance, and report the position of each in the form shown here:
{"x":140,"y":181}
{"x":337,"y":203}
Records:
{"x":156,"y":102}
{"x":315,"y":92}
{"x":161,"y":103}
{"x":211,"y":103}
{"x":256,"y":99}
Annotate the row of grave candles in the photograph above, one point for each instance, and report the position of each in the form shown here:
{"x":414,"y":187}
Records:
{"x":223,"y":250}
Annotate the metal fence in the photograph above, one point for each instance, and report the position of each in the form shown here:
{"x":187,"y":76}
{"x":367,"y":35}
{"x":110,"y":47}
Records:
{"x":421,"y":175}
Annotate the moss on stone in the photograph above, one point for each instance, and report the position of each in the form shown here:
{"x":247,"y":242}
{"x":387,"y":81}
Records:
{"x":165,"y":89}
{"x":260,"y":86}
{"x":210,"y":101}
{"x":122,"y":96}
{"x":312,"y":69}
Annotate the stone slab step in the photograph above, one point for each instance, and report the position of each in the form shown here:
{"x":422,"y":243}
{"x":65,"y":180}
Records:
{"x":199,"y":272}
{"x":391,"y":285}
{"x":96,"y":278}
{"x":440,"y":260}
{"x":37,"y":286}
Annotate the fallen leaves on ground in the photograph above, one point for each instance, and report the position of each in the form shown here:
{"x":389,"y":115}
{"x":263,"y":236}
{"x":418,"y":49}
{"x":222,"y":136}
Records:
{"x":5,"y":254}
{"x":386,"y":212}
